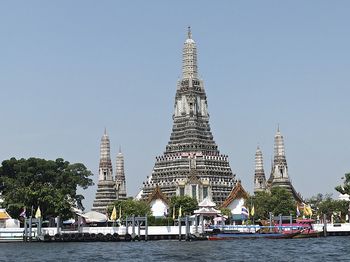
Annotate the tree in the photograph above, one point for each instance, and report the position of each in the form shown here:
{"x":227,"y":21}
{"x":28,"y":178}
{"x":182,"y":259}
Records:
{"x":278,"y":201}
{"x":52,"y":185}
{"x":345,"y":188}
{"x":330,"y":206}
{"x":225,"y":211}
{"x":131,"y":207}
{"x":187,"y":204}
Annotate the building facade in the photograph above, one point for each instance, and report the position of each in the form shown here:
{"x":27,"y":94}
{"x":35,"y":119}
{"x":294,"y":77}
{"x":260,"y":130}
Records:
{"x":191,"y":164}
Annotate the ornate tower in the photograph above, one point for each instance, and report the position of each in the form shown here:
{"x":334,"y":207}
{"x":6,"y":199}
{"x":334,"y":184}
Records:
{"x":279,"y":173}
{"x":191,"y":164}
{"x":106,"y":192}
{"x":120,"y":176}
{"x":259,"y":176}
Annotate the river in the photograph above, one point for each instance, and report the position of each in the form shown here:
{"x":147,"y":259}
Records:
{"x":316,"y":249}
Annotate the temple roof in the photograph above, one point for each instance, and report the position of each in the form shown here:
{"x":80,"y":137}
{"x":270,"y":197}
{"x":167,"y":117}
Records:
{"x":157,"y":194}
{"x":206,"y":203}
{"x":4,"y":214}
{"x":236,"y":192}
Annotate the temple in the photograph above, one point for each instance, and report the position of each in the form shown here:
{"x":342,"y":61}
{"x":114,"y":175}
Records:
{"x":259,"y":176}
{"x":120,"y":176}
{"x":108,"y":188}
{"x":191,"y":164}
{"x":279,"y":176}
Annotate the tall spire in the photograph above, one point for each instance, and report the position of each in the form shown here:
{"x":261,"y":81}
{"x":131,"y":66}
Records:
{"x":105,"y":167}
{"x":120,"y":176}
{"x":259,"y":165}
{"x":189,"y":58}
{"x":106,"y":193}
{"x":279,"y":145}
{"x":279,"y":160}
{"x":191,"y":164}
{"x":259,"y":176}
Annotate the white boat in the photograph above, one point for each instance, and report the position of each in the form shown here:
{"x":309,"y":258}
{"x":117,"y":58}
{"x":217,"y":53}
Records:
{"x":334,"y":229}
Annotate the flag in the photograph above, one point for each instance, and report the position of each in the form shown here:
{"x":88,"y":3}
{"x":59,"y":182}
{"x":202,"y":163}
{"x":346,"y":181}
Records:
{"x":174,"y":212}
{"x":23,"y":213}
{"x":38,"y":213}
{"x":114,"y":214}
{"x":245,"y":212}
{"x":252,"y":211}
{"x":180,"y":212}
{"x":298,"y":212}
{"x":307,"y":210}
{"x":120,"y":212}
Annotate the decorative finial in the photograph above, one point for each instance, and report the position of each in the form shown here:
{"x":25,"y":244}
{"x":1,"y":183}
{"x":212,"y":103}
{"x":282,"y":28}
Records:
{"x":189,"y":33}
{"x":120,"y":149}
{"x":105,"y":131}
{"x":278,"y":127}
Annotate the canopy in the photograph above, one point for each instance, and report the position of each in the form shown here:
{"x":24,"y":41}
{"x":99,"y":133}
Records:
{"x":206,"y":203}
{"x":207,"y":211}
{"x":94,"y":216}
{"x":217,"y":219}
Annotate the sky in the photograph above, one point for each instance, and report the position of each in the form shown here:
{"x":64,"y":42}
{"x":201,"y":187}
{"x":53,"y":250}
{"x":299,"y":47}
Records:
{"x":69,"y":69}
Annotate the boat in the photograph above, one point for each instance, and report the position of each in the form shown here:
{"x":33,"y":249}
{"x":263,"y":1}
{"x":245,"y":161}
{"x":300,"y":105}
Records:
{"x":232,"y":236}
{"x":307,"y":229}
{"x":218,"y":234}
{"x":333,"y":229}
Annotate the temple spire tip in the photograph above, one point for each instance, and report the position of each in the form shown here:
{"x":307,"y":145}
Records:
{"x":189,"y":33}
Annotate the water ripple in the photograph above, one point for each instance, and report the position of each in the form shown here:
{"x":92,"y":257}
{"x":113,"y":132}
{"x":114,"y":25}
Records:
{"x":318,"y":249}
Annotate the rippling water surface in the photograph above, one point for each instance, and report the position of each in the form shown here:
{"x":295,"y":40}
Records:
{"x":317,"y":249}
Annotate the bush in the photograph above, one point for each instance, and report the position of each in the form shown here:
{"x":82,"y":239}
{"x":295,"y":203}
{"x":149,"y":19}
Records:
{"x":160,"y":221}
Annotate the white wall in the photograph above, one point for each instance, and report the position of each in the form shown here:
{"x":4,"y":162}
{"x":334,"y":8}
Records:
{"x":159,"y":208}
{"x":236,"y":206}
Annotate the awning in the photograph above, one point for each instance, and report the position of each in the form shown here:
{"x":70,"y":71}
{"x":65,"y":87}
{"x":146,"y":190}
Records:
{"x":94,"y":216}
{"x":207,"y":211}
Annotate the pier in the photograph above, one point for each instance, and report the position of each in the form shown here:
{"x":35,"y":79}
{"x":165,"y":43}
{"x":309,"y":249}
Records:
{"x":132,"y":229}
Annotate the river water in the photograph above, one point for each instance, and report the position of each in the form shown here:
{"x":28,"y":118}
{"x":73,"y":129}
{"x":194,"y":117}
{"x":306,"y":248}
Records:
{"x":316,"y":249}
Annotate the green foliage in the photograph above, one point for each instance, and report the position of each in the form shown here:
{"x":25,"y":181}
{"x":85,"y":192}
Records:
{"x":187,"y":204}
{"x":345,"y":188}
{"x":278,"y":201}
{"x":225,"y":211}
{"x":160,"y":221}
{"x":52,"y":185}
{"x":330,"y":206}
{"x":130,"y":207}
{"x":315,"y":201}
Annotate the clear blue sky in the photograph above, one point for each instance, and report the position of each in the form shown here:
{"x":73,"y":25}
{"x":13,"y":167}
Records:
{"x":68,"y":69}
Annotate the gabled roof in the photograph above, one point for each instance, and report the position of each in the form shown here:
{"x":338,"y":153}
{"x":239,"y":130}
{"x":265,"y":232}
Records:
{"x":206,"y":203}
{"x":157,"y":194}
{"x":236,"y":192}
{"x":193,"y":178}
{"x":4,"y":214}
{"x":296,"y":196}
